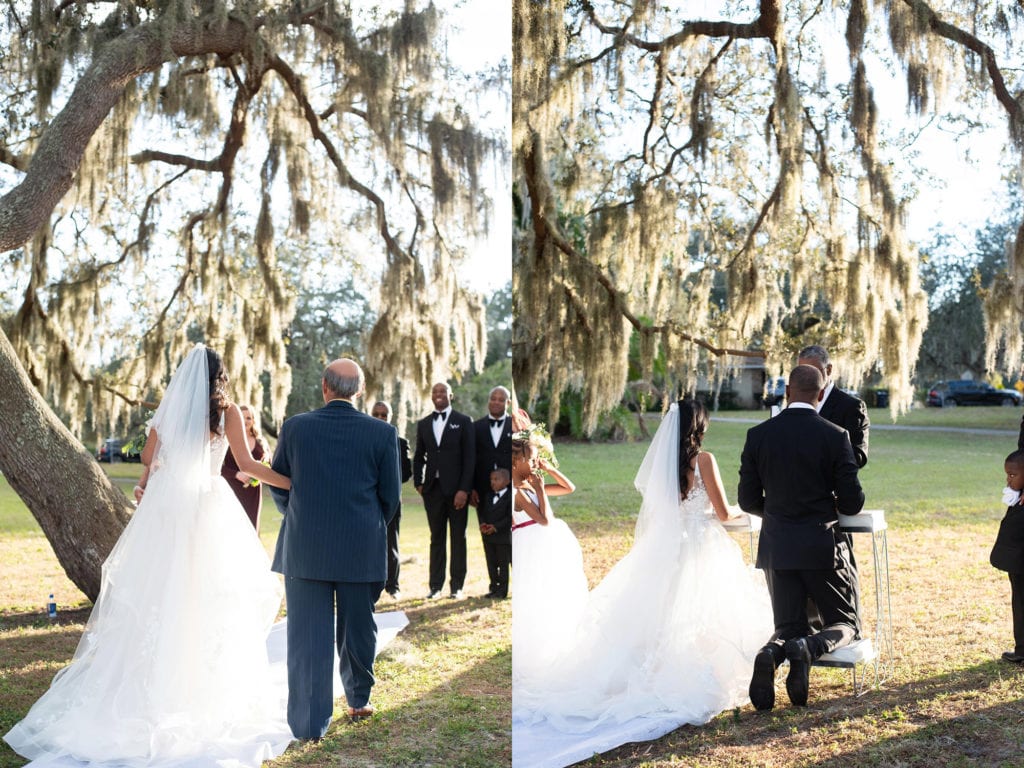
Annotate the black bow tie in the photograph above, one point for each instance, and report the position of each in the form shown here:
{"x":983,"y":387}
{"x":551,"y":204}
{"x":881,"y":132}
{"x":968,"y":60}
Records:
{"x":495,"y":499}
{"x":438,"y":415}
{"x":496,"y":422}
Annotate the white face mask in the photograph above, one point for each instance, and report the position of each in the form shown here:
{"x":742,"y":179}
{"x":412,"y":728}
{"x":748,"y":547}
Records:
{"x":1010,"y":496}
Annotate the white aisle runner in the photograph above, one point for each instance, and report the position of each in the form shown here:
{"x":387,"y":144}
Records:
{"x":388,"y":626}
{"x":539,"y":745}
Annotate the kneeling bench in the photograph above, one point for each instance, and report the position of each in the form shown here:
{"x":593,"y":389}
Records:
{"x":876,"y":656}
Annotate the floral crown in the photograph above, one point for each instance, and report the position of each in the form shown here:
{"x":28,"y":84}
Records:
{"x":535,"y":434}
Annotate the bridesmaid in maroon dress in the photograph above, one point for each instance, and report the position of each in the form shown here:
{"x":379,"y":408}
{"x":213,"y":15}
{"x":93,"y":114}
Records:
{"x":249,"y":496}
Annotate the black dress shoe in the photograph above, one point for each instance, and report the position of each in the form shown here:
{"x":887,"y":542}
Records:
{"x":762,"y":683}
{"x":1013,"y":657}
{"x":798,"y":680}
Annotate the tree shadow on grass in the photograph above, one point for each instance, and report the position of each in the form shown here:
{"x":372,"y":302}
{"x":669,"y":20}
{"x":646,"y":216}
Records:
{"x":39,"y":620}
{"x":940,"y":720}
{"x":460,"y":716}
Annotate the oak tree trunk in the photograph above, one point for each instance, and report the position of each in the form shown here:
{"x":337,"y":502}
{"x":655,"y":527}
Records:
{"x":80,"y":511}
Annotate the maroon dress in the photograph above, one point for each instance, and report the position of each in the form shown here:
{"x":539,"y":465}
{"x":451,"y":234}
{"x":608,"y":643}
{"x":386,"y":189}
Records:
{"x":249,"y":497}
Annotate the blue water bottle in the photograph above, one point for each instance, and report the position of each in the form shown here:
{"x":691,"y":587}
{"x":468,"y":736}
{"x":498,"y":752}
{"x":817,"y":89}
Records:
{"x":51,"y":607}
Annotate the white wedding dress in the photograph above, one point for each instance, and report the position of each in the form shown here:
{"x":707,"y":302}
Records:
{"x":172,"y":668}
{"x":667,"y":638}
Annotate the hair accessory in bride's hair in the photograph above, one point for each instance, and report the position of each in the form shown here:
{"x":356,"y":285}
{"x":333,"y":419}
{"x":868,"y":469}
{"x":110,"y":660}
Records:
{"x":534,"y":433}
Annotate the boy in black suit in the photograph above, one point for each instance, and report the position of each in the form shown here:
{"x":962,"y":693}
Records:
{"x":1008,"y":552}
{"x":495,"y":516}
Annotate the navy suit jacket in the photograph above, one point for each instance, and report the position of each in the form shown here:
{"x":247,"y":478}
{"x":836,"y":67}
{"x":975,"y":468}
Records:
{"x":346,"y":487}
{"x":798,"y":472}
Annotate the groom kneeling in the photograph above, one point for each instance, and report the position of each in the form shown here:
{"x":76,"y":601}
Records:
{"x":798,"y":472}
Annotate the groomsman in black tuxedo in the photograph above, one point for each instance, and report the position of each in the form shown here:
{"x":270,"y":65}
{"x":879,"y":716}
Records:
{"x":844,"y":410}
{"x":382,"y":411}
{"x":493,"y":437}
{"x":798,"y":472}
{"x":442,"y":470}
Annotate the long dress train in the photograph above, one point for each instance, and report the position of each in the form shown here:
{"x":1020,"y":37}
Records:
{"x":172,"y":668}
{"x":667,"y":638}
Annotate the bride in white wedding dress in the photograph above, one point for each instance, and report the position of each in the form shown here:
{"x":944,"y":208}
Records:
{"x":668,"y":636}
{"x":172,"y":668}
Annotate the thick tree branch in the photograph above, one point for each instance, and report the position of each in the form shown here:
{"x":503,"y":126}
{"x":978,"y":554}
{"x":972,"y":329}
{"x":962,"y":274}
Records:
{"x":189,"y":163}
{"x":18,"y":162}
{"x":764,"y":26}
{"x":28,"y":206}
{"x":967,"y":40}
{"x":294,"y":83}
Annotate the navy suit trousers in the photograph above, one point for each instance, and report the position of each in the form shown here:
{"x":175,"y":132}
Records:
{"x":313,"y":632}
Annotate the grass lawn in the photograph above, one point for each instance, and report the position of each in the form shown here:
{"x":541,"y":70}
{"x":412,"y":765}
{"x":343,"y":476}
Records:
{"x":443,"y":687}
{"x":950,"y":701}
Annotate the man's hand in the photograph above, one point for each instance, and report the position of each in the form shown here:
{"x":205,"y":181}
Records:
{"x":460,"y":499}
{"x":419,"y":489}
{"x":474,"y":498}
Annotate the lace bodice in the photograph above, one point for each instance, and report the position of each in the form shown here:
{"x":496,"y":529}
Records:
{"x":697,"y":501}
{"x":218,"y":449}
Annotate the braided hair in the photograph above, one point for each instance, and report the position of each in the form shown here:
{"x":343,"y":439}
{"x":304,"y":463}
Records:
{"x":693,"y":422}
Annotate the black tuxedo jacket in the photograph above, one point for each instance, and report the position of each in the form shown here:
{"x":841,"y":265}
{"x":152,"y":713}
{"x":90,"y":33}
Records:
{"x":450,"y":464}
{"x":1008,"y":552}
{"x":797,"y":471}
{"x":851,"y":414}
{"x":405,"y":463}
{"x":1020,"y":438}
{"x":499,"y":515}
{"x":489,"y":456}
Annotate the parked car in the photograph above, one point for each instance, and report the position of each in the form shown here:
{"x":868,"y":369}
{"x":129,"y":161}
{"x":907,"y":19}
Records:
{"x":110,"y":451}
{"x":946,"y":394}
{"x":774,"y":391}
{"x":117,"y":450}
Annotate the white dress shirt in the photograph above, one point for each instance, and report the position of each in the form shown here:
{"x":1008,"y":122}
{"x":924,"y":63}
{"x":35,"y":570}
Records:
{"x":497,"y":429}
{"x":440,"y":423}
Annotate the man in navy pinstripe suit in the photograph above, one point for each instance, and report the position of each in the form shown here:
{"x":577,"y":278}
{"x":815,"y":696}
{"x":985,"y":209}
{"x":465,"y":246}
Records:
{"x":346,"y":487}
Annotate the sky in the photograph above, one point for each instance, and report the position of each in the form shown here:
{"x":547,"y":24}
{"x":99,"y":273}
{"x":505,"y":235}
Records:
{"x":481,"y":36}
